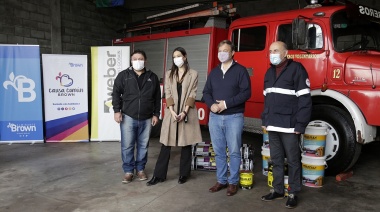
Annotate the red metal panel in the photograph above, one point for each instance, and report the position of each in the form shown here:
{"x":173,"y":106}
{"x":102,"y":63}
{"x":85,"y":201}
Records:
{"x":286,"y":15}
{"x":140,"y":38}
{"x":366,"y":101}
{"x":203,"y":113}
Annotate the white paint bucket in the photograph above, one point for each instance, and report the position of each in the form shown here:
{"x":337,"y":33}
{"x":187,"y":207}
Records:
{"x":313,"y":171}
{"x":265,"y":139}
{"x":266,"y":157}
{"x":314,"y":140}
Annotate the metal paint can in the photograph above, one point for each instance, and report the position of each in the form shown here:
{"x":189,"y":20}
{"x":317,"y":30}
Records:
{"x":246,"y":179}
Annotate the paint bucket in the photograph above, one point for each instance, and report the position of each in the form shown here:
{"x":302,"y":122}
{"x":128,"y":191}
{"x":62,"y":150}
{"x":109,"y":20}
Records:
{"x":266,"y":157}
{"x":246,"y":179}
{"x":265,"y":139}
{"x":314,"y":140}
{"x":313,"y":171}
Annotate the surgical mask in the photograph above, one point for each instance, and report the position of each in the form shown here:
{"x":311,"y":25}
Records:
{"x":178,"y":61}
{"x":138,"y":65}
{"x":223,"y":56}
{"x":275,"y":59}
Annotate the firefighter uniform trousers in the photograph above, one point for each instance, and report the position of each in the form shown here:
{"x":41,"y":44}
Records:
{"x":285,"y":145}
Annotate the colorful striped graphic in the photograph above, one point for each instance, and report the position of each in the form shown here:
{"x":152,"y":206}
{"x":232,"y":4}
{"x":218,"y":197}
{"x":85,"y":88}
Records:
{"x":68,"y":129}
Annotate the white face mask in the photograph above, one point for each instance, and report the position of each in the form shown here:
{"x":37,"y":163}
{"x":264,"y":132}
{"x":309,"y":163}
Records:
{"x":138,"y":65}
{"x":178,"y":61}
{"x":223,"y":56}
{"x":275,"y":59}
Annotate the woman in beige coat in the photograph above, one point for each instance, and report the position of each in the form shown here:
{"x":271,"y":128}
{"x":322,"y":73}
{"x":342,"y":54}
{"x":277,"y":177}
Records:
{"x":180,"y":126}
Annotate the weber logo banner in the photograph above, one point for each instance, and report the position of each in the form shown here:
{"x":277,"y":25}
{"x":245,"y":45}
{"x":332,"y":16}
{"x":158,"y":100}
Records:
{"x":65,"y":98}
{"x":20,"y":94}
{"x":106,"y":63}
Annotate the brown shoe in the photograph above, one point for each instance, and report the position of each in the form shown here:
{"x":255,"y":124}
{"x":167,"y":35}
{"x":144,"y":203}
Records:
{"x":142,"y":175}
{"x":232,"y":190}
{"x":127,"y":178}
{"x":217,"y":187}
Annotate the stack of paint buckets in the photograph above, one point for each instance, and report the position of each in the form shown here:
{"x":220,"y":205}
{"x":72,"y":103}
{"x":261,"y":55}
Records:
{"x":267,"y":163}
{"x":313,"y":155}
{"x":203,"y":156}
{"x":246,"y":167}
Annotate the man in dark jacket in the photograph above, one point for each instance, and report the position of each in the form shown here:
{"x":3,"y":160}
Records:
{"x":136,"y":100}
{"x":227,"y":89}
{"x":287,"y":112}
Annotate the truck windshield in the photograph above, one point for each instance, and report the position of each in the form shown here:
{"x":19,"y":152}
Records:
{"x":355,"y":34}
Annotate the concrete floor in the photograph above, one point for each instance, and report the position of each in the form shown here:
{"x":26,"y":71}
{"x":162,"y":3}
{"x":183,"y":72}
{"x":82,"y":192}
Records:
{"x":87,"y":177}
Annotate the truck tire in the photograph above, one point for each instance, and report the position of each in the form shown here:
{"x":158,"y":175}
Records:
{"x":156,"y":130}
{"x":342,"y":151}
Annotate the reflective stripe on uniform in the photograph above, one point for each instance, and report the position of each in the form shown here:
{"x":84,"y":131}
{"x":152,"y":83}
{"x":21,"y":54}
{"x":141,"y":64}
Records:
{"x":280,"y":129}
{"x":280,"y":91}
{"x":303,"y":92}
{"x":286,"y":91}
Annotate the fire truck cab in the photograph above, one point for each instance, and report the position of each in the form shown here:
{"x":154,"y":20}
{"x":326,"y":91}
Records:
{"x":341,"y":53}
{"x":339,"y":45}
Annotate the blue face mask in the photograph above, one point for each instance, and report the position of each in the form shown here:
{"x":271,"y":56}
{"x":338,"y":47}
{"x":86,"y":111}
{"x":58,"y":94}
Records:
{"x":275,"y":59}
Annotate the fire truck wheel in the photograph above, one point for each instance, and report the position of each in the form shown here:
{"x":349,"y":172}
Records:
{"x":156,"y":130}
{"x":342,"y":151}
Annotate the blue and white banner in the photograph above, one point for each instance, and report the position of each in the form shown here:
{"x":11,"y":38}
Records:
{"x":20,"y":94}
{"x":65,"y":97}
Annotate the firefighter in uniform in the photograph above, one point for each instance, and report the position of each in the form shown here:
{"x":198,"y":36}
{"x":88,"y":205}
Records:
{"x":287,"y":111}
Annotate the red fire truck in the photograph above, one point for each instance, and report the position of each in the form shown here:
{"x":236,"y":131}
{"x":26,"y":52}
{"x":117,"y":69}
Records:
{"x":339,"y":45}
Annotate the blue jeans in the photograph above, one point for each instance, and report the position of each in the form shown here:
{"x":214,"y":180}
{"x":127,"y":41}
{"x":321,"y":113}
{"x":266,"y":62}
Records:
{"x":226,"y":131}
{"x":134,"y":133}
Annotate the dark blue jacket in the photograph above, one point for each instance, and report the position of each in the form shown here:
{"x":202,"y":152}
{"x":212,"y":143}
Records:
{"x":234,"y":88}
{"x":127,"y":97}
{"x":287,"y":104}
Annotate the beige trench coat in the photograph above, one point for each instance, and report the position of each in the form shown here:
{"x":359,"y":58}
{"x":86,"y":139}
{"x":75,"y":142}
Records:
{"x":188,"y":133}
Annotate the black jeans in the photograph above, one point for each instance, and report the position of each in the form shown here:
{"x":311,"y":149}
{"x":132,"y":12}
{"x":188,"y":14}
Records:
{"x":285,"y":145}
{"x":162,"y":163}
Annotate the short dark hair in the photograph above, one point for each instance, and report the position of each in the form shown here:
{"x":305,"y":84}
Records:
{"x":228,"y":43}
{"x":139,"y":51}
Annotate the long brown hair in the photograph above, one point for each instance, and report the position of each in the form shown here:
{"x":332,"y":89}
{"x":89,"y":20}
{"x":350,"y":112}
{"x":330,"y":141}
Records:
{"x":174,"y":69}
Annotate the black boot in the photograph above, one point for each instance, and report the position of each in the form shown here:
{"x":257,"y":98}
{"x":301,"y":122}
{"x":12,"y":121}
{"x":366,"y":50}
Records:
{"x":154,"y":181}
{"x":182,"y":179}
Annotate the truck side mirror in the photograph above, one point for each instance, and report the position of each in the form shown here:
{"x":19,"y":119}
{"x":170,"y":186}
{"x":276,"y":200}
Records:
{"x":298,"y":32}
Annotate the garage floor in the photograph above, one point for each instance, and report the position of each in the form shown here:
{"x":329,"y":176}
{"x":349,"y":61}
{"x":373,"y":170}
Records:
{"x":87,"y":177}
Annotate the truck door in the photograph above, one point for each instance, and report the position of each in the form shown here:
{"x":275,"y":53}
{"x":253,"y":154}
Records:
{"x":251,"y":50}
{"x":312,"y":55}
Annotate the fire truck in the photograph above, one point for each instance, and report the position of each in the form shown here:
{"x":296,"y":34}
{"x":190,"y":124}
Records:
{"x":338,"y":44}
